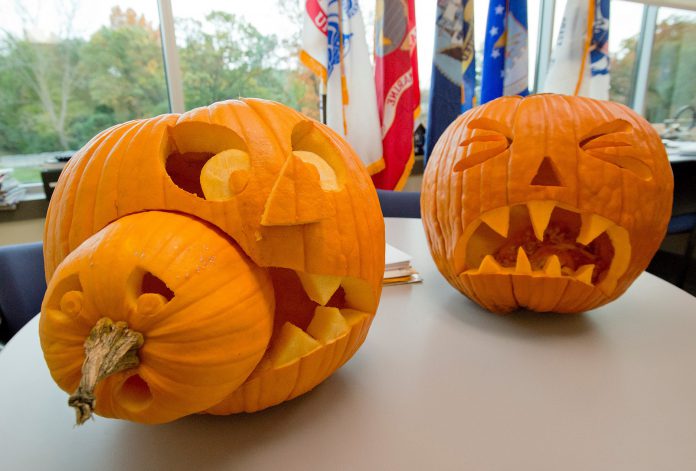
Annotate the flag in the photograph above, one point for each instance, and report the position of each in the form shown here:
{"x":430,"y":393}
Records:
{"x":334,"y":47}
{"x":505,"y":50}
{"x":580,"y":60}
{"x":398,"y":93}
{"x":454,"y":76}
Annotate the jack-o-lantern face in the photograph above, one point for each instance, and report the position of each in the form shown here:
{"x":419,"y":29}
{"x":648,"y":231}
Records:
{"x":551,"y":203}
{"x":288,"y":191}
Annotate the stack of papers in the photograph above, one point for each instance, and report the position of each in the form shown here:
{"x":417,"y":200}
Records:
{"x":398,"y":268}
{"x":10,"y":190}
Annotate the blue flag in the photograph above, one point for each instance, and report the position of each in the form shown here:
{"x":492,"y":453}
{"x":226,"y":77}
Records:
{"x":454,"y":77}
{"x":505,"y":50}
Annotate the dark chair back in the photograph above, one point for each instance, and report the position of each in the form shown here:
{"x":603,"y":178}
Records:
{"x":22,"y":286}
{"x":683,"y":219}
{"x":399,"y":204}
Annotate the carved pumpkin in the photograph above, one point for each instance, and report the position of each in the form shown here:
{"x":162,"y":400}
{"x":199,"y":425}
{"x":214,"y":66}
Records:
{"x":285,"y":190}
{"x":550,"y":202}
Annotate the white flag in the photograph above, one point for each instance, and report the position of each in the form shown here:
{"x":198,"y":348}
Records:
{"x":334,"y":47}
{"x":580,"y":60}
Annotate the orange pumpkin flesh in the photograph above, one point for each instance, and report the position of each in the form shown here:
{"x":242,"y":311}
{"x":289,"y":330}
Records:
{"x":550,"y":203}
{"x":287,"y":191}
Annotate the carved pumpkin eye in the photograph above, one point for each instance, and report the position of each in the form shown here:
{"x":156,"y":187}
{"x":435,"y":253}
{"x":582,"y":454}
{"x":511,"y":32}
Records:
{"x":613,"y":142}
{"x":302,"y":192}
{"x":208,"y":160}
{"x":489,"y":138}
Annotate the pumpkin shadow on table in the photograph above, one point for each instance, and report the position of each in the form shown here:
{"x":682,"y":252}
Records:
{"x":520,"y":323}
{"x":209,"y":442}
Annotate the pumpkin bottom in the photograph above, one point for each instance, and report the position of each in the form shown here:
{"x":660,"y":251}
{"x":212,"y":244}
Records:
{"x":508,"y":292}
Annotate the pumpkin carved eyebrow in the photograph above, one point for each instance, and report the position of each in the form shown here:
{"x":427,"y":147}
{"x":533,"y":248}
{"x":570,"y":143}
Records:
{"x":491,"y":138}
{"x":616,"y":133}
{"x":490,"y":125}
{"x":612,"y":142}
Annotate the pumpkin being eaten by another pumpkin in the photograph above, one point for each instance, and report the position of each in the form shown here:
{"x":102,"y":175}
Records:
{"x":550,"y":202}
{"x":223,"y":260}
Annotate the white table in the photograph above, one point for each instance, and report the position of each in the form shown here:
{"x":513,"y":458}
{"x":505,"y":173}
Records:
{"x":439,"y":384}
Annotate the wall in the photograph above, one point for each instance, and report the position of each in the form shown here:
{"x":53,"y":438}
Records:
{"x":18,"y":232}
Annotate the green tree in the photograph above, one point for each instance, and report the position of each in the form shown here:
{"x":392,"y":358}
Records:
{"x":39,"y":84}
{"x":123,"y":66}
{"x":622,"y":71}
{"x":232,"y":60}
{"x":58,"y":93}
{"x":671,"y":83}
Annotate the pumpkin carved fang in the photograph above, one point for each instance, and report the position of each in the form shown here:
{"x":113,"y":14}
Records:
{"x":545,"y":239}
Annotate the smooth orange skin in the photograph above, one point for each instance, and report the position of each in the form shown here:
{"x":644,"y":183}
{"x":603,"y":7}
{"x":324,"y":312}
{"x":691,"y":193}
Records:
{"x":541,"y":126}
{"x":341,"y":233}
{"x":199,"y":347}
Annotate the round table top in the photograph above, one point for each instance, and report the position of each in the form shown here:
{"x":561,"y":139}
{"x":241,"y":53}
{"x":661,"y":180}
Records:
{"x":438,"y":384}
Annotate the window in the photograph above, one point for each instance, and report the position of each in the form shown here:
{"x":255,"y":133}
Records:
{"x":69,"y":70}
{"x":671,"y":86}
{"x":624,"y":29}
{"x":242,"y":49}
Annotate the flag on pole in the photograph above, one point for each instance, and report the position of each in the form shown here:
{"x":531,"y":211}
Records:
{"x":398,"y":93}
{"x":454,"y":76}
{"x":505,"y":50}
{"x":334,"y":47}
{"x":580,"y":60}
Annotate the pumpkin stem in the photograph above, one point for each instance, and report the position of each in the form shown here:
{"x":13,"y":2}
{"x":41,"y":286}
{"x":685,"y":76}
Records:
{"x":110,"y":347}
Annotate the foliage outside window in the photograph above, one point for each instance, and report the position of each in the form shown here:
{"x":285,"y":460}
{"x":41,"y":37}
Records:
{"x":671,"y":84}
{"x":57,"y":93}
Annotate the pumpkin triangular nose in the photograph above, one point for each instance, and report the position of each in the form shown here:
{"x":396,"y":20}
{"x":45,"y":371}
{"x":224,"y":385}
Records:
{"x":546,"y":174}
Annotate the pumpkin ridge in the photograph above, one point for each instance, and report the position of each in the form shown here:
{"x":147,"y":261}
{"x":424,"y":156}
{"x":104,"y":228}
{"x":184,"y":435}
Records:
{"x":207,"y":341}
{"x":548,"y":127}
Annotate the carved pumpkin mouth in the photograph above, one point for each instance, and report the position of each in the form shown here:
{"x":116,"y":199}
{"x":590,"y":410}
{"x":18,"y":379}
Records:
{"x":313,"y":311}
{"x":545,"y":239}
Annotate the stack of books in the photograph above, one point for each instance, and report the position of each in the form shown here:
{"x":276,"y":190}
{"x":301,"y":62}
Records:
{"x":11,"y":192}
{"x":398,"y":268}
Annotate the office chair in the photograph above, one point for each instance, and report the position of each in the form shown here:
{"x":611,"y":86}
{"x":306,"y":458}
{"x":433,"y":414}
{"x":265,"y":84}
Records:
{"x":683,"y":218}
{"x":22,"y":286}
{"x":399,"y":204}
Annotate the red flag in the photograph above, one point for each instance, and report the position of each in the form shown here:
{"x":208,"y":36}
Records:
{"x":398,"y":93}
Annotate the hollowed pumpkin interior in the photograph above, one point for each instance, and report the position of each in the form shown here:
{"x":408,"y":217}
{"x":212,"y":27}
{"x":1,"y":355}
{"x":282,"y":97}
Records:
{"x":543,"y":238}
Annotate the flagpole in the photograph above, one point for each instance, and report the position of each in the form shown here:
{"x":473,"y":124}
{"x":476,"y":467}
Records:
{"x":322,"y":104}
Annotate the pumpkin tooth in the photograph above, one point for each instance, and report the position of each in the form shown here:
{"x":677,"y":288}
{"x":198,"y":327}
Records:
{"x":290,"y":344}
{"x":584,"y":274}
{"x":622,"y":258}
{"x":498,"y":220}
{"x":319,"y":288}
{"x":522,"y":265}
{"x":327,"y":324}
{"x":592,"y":226}
{"x":540,"y":215}
{"x":552,"y":266}
{"x":489,"y":265}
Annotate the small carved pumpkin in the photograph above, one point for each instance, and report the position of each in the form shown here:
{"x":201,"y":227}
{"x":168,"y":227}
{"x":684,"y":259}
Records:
{"x":550,"y":202}
{"x":285,"y":191}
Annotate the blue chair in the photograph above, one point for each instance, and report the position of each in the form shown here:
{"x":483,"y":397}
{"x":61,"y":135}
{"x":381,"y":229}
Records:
{"x":399,"y":204}
{"x":22,"y":286}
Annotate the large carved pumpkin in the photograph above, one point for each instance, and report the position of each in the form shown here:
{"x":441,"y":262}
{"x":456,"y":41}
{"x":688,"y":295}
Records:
{"x":282,"y":195}
{"x":550,"y":202}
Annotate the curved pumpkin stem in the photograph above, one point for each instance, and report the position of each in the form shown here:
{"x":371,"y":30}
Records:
{"x":110,"y":347}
